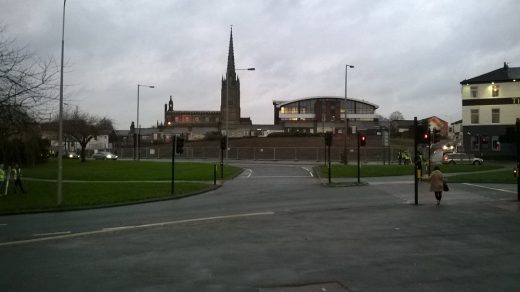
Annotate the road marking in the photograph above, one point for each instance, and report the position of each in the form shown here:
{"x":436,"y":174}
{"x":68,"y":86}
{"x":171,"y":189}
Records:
{"x":120,"y":228}
{"x":52,"y":233}
{"x":3,"y":224}
{"x":489,"y":188}
{"x":309,"y":171}
{"x":250,"y":172}
{"x":281,"y":176}
{"x":375,"y":183}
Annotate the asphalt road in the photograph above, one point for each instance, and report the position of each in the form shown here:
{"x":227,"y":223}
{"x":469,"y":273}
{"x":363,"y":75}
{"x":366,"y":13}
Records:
{"x":275,"y":228}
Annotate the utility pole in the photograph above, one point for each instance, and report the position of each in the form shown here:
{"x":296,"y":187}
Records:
{"x":517,"y":158}
{"x":416,"y":158}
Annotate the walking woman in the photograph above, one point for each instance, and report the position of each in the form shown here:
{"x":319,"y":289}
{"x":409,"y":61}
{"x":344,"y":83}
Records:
{"x":437,"y":183}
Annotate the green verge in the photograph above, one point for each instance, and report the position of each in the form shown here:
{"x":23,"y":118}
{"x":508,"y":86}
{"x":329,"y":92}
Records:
{"x":107,"y":183}
{"x":123,"y":170}
{"x":340,"y":170}
{"x":499,"y":177}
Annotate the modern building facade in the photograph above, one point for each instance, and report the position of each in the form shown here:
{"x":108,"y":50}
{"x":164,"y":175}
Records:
{"x":196,"y":124}
{"x":319,"y":114}
{"x":490,"y":107}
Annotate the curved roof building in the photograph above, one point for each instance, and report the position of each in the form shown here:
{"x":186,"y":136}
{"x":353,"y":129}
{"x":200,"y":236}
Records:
{"x":318,"y":114}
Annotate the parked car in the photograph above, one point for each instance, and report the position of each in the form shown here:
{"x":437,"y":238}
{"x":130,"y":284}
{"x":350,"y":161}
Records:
{"x":71,"y":155}
{"x":461,"y":158}
{"x":104,"y":155}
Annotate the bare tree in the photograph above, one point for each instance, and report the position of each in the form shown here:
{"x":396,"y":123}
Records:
{"x":82,"y":127}
{"x":27,"y":87}
{"x":396,"y":116}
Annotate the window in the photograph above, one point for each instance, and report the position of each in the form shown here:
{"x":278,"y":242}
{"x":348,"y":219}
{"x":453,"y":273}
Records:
{"x":474,"y":116}
{"x":495,"y":115}
{"x":495,"y":90}
{"x":474,"y":91}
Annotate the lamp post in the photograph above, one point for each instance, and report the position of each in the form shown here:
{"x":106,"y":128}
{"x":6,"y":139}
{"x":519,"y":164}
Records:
{"x":227,"y":107}
{"x":60,"y":127}
{"x":139,"y":126}
{"x":346,"y":120}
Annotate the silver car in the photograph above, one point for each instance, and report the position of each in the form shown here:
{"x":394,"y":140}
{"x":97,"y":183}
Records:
{"x":104,"y":155}
{"x":461,"y":158}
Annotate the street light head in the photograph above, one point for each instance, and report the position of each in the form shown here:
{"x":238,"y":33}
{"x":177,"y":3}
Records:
{"x":350,"y":66}
{"x":251,"y":69}
{"x":151,"y":86}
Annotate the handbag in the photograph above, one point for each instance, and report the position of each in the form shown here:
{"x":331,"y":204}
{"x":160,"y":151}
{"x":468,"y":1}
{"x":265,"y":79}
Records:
{"x":445,"y":186}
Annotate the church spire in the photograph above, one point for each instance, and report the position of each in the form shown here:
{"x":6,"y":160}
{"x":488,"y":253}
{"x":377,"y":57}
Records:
{"x":231,"y":56}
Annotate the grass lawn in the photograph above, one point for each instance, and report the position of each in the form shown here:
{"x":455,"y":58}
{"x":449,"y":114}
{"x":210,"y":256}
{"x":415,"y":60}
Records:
{"x":340,"y":170}
{"x":101,"y":183}
{"x":127,"y":170}
{"x":500,"y":177}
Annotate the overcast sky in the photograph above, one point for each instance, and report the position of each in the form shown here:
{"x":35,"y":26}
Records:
{"x":409,"y":56}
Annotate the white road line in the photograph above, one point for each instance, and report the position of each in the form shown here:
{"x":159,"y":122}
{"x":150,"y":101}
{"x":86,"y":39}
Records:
{"x":489,"y":188}
{"x":281,"y":176}
{"x":113,"y":229}
{"x":3,"y":224}
{"x":250,"y":172}
{"x":309,"y":171}
{"x":52,"y":233}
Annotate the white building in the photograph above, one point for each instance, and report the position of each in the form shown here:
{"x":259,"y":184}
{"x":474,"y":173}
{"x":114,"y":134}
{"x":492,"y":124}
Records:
{"x":490,"y":107}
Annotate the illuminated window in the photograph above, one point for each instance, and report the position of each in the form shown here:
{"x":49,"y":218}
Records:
{"x":495,"y":90}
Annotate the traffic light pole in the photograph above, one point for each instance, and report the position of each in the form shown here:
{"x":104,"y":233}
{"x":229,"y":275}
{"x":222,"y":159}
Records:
{"x":518,"y":158}
{"x":174,"y":151}
{"x":358,"y":155}
{"x":429,"y":151}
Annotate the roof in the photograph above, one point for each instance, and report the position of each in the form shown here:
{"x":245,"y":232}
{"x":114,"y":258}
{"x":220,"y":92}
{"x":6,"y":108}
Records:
{"x":280,"y":103}
{"x":504,"y":74}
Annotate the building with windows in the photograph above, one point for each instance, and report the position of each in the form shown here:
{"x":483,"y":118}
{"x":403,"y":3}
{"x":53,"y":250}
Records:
{"x":490,"y":107}
{"x":196,"y":124}
{"x":319,"y":114}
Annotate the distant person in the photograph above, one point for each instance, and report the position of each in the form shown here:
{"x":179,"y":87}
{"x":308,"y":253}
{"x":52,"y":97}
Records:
{"x":2,"y":177}
{"x":17,"y":176}
{"x":437,"y":183}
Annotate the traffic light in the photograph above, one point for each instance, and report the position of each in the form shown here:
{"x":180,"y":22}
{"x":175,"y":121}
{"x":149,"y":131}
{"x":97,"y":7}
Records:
{"x":223,"y":143}
{"x":179,"y":147}
{"x":419,"y":133}
{"x":436,"y":136}
{"x":426,"y":137}
{"x":328,"y":139}
{"x":362,"y":140}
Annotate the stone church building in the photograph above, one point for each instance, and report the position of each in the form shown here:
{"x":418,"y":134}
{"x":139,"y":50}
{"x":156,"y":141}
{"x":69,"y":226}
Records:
{"x":197,"y":124}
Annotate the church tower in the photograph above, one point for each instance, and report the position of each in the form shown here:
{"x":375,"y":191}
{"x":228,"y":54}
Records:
{"x":230,"y":93}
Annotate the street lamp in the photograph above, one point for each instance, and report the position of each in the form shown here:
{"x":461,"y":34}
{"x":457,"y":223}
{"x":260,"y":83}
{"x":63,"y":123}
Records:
{"x":60,"y":127}
{"x":139,"y":126}
{"x":346,"y":108}
{"x":227,"y":107}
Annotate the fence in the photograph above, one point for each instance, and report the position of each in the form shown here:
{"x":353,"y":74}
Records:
{"x":367,"y":154}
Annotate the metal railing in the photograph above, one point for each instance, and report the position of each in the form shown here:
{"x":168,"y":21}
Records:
{"x":381,"y":155}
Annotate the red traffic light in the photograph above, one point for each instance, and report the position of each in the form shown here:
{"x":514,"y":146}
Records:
{"x":362,"y":140}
